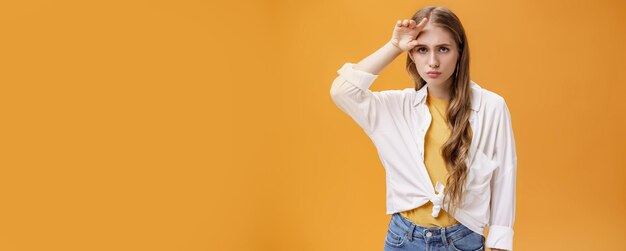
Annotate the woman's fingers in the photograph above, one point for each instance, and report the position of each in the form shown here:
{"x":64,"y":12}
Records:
{"x":410,"y":23}
{"x":423,"y":22}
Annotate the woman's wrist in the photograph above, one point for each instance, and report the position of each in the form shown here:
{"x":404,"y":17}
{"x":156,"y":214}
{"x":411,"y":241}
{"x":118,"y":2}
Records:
{"x":394,"y":47}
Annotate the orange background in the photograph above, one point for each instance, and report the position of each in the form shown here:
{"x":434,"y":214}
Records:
{"x":202,"y":125}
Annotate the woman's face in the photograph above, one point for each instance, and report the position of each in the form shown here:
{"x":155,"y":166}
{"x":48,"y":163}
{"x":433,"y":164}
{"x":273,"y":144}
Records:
{"x":436,"y":51}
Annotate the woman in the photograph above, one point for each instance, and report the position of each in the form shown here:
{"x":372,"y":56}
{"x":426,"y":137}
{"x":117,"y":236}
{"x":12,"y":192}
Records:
{"x":447,"y":145}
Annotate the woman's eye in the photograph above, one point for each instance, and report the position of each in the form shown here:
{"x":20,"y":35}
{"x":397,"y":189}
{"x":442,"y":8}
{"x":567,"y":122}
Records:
{"x":442,"y":49}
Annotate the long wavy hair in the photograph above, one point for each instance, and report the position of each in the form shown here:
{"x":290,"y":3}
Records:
{"x":456,"y":149}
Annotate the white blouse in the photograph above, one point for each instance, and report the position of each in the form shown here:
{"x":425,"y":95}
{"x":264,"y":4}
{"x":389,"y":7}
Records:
{"x":397,"y":120}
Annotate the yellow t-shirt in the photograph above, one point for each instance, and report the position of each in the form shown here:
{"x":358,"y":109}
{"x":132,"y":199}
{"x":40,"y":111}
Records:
{"x":436,"y":136}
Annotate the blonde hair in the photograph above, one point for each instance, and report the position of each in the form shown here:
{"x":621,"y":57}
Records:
{"x":456,"y":149}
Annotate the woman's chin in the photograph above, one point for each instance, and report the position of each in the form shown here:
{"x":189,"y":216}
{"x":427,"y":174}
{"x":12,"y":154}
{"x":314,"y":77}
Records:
{"x":434,"y":82}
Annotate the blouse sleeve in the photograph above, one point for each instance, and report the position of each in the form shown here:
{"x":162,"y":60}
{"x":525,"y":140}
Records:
{"x":503,"y":184}
{"x":350,"y":92}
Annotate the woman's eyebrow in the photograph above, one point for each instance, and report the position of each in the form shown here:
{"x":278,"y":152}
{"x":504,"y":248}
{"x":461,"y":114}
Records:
{"x":439,"y":45}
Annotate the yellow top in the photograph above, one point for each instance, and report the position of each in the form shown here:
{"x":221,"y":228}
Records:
{"x":436,"y":136}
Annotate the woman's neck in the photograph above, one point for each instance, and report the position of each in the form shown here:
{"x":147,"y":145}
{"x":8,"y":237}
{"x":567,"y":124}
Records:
{"x":441,"y":91}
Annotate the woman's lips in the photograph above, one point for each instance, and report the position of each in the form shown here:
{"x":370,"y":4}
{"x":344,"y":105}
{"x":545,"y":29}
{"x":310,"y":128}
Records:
{"x":433,"y":74}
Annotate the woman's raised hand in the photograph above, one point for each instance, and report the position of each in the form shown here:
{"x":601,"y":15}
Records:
{"x":405,"y":33}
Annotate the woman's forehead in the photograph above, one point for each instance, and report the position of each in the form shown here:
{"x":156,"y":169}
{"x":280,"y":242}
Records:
{"x":433,"y":35}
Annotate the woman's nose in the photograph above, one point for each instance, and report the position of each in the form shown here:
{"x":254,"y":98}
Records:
{"x":433,"y":61}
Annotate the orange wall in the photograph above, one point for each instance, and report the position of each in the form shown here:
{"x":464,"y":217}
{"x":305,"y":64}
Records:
{"x":203,"y":125}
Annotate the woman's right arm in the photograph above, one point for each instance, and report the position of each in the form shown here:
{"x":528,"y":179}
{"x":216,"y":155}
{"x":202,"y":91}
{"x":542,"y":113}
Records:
{"x":378,"y":60}
{"x":350,"y":90}
{"x":403,"y":38}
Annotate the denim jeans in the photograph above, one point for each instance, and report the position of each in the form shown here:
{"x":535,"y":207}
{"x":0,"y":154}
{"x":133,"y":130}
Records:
{"x":403,"y":234}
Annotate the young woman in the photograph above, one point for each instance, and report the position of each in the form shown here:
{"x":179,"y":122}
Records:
{"x":447,"y":144}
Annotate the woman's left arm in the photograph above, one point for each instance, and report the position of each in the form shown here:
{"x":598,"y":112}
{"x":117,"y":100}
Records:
{"x":502,"y":216}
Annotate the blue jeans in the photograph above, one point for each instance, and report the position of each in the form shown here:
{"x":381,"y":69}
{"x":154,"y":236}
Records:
{"x":406,"y":235}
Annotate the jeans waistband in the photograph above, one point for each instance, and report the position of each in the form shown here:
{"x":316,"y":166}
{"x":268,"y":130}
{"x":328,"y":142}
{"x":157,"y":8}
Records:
{"x":412,"y":230}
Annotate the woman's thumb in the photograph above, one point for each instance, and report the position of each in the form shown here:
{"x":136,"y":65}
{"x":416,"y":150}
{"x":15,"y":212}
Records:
{"x":412,"y":44}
